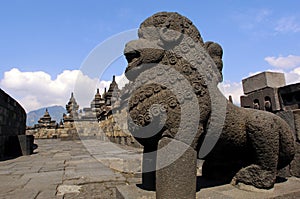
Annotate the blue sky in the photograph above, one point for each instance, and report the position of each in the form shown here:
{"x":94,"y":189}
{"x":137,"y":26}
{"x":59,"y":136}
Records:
{"x":52,"y":37}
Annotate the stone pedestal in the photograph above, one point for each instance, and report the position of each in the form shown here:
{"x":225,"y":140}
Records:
{"x":149,"y":167}
{"x":26,"y":144}
{"x":16,"y":145}
{"x":177,"y":177}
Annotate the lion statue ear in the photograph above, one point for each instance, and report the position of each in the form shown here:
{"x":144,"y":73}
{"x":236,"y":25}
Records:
{"x":216,"y":53}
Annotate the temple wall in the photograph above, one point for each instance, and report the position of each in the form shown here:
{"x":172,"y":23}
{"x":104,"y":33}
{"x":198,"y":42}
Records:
{"x":113,"y":129}
{"x":13,"y":141}
{"x":44,"y":133}
{"x":12,"y":116}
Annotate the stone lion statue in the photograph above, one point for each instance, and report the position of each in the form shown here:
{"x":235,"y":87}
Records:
{"x":247,"y":146}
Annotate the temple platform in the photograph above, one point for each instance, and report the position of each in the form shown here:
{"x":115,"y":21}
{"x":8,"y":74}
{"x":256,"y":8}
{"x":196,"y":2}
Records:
{"x":98,"y":169}
{"x":287,"y":190}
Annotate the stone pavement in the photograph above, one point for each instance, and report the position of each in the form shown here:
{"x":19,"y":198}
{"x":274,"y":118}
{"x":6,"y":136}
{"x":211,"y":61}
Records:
{"x":98,"y":169}
{"x":285,"y":190}
{"x":68,"y":169}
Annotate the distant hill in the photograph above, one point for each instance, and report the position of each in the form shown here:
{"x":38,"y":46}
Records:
{"x":56,"y":113}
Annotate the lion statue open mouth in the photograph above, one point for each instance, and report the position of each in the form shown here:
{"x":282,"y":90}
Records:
{"x":174,"y":68}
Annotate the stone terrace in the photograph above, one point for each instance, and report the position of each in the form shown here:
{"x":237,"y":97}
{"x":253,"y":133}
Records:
{"x":67,"y":169}
{"x":98,"y":169}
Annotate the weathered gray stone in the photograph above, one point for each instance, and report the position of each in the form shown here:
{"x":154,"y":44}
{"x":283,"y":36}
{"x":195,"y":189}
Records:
{"x":128,"y":192}
{"x":289,"y":117}
{"x":63,"y":189}
{"x":294,"y":166}
{"x":26,"y":143}
{"x":149,"y":168}
{"x":175,"y":76}
{"x":297,"y":123}
{"x":32,"y":183}
{"x":48,"y":194}
{"x":263,"y":80}
{"x":289,"y":96}
{"x":12,"y":125}
{"x":22,"y":193}
{"x":178,"y":179}
{"x":264,"y":99}
{"x":285,"y":190}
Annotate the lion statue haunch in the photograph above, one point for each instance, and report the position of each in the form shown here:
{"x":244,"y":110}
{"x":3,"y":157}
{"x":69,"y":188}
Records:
{"x":251,"y":146}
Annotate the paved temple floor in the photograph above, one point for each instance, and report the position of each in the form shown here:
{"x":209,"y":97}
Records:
{"x":69,"y":169}
{"x":98,"y":169}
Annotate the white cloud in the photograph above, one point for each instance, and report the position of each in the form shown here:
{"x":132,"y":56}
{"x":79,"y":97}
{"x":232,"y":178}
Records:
{"x":232,"y":88}
{"x":121,"y":80}
{"x":287,"y":25}
{"x":289,"y":65}
{"x":36,"y":89}
{"x":290,"y":61}
{"x":32,"y":102}
{"x":293,"y":76}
